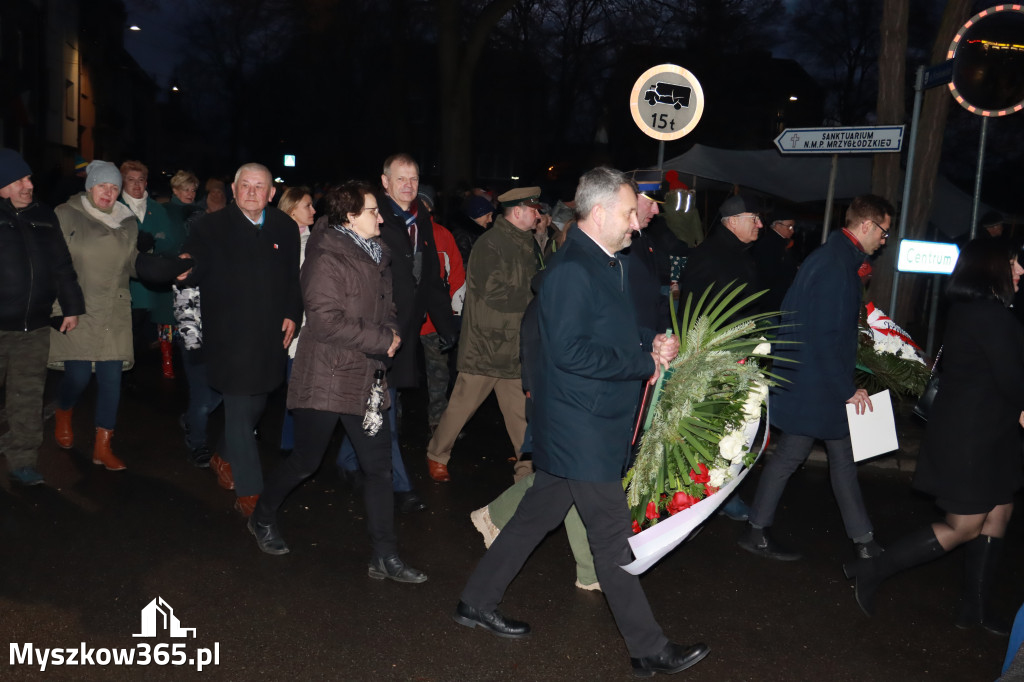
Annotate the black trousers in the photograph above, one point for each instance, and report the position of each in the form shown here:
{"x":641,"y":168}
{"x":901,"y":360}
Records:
{"x":603,"y":508}
{"x":313,"y":429}
{"x":241,"y":415}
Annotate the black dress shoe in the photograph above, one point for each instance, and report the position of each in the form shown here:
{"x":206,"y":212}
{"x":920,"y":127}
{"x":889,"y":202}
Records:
{"x":393,"y":568}
{"x":200,"y":457}
{"x":757,"y":541}
{"x":673,"y":658}
{"x":267,"y":537}
{"x":409,"y":502}
{"x":492,"y":621}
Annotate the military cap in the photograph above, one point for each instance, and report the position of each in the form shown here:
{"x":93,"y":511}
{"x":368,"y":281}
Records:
{"x":647,"y":182}
{"x":521,"y":196}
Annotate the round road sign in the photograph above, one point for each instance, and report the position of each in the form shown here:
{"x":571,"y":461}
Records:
{"x":667,"y":102}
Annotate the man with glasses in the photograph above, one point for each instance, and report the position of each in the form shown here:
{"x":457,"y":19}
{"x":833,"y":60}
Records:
{"x":819,"y":336}
{"x":501,"y":267}
{"x":776,"y":262}
{"x":724,"y":257}
{"x":724,"y":260}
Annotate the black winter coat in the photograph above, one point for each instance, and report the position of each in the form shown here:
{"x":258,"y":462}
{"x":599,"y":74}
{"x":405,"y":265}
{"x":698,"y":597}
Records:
{"x":970,"y":458}
{"x":720,"y":259}
{"x":250,"y":282}
{"x":35,"y":268}
{"x":414,"y":297}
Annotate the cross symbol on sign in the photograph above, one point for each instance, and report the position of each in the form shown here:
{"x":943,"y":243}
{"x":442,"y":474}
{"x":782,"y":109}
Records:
{"x":794,"y":138}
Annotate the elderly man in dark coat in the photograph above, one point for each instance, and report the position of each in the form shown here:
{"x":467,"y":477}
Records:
{"x":594,"y":360}
{"x":819,"y":324}
{"x":246,"y":259}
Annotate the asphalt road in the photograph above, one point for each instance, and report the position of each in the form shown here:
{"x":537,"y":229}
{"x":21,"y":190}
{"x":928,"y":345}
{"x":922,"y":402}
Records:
{"x":82,"y":556}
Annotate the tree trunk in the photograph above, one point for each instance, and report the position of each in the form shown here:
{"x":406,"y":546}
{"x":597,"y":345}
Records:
{"x":931,"y":126}
{"x":457,"y":66}
{"x":892,"y":110}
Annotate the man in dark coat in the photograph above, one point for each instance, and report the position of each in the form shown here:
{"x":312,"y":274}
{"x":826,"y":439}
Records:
{"x":418,"y":286}
{"x":246,"y":259}
{"x":643,"y":257}
{"x":35,"y":269}
{"x":776,"y":263}
{"x":821,"y":308}
{"x":593,"y":363}
{"x":724,"y":257}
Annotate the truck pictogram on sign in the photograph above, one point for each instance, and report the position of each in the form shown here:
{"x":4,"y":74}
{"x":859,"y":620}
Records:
{"x":668,"y":93}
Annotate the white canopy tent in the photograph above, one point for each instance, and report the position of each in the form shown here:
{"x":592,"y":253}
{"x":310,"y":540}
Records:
{"x":802,"y":179}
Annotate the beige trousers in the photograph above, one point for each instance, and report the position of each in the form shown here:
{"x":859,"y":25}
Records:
{"x":469,"y":392}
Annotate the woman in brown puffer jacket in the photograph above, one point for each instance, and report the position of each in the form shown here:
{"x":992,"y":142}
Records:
{"x":349,"y":333}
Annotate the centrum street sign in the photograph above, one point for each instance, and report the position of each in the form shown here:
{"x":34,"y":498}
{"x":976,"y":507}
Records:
{"x":870,"y":139}
{"x":667,"y":102}
{"x":934,"y":257}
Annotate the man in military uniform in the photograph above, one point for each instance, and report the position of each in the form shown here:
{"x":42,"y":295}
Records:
{"x":501,"y":266}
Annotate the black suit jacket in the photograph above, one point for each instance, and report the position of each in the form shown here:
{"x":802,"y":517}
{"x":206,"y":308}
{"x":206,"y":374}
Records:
{"x":413,"y":298}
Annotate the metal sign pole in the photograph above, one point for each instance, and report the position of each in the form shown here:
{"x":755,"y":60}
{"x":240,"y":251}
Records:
{"x":831,"y":194}
{"x":977,"y":175}
{"x":908,"y":175}
{"x":661,"y":154}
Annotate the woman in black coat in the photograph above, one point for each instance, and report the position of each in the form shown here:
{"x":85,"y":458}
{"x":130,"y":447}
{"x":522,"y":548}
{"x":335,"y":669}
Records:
{"x":970,"y":459}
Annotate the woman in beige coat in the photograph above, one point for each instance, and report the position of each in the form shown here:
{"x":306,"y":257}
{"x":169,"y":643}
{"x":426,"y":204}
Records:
{"x":101,"y":235}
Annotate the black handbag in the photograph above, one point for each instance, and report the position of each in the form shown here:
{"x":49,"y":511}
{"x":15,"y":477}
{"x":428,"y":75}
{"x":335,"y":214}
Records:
{"x":923,"y":408}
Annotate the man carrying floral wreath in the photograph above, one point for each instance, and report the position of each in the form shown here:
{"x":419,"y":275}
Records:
{"x":819,"y":332}
{"x":592,"y":367}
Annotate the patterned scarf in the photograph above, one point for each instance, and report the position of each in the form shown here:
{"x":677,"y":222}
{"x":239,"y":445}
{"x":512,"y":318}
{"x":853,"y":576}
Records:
{"x":370,"y":246}
{"x":409,"y":217}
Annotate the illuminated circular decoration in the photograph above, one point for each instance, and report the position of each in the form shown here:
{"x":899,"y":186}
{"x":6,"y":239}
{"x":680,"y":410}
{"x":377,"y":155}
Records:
{"x":988,"y":67}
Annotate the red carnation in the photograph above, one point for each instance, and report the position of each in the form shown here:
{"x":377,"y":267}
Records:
{"x":709,"y":490}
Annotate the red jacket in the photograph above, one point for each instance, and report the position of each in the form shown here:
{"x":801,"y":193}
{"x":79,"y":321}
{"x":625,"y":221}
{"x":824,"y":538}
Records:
{"x":453,"y":271}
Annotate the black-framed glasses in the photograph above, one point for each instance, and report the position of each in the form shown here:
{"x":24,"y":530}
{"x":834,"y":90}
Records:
{"x":885,"y":233}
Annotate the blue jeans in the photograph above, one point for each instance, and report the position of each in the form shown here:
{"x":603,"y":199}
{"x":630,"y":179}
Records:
{"x":202,"y":399}
{"x":790,"y":453}
{"x":77,"y":374}
{"x":399,"y":479}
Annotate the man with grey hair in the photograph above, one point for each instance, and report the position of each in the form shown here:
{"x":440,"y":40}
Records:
{"x":246,"y":259}
{"x":590,"y":367}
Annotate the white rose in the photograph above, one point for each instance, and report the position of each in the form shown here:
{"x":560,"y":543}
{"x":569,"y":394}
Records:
{"x":762,"y":348}
{"x":732,"y":446}
{"x":718,"y":477}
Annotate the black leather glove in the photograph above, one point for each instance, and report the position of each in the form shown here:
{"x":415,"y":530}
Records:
{"x":145,"y":242}
{"x":446,"y":344}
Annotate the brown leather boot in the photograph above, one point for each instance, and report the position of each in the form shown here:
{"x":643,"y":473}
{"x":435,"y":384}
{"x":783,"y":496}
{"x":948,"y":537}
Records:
{"x":223,"y":470}
{"x":438,"y":471}
{"x":62,"y":431}
{"x":102,"y":454}
{"x":167,"y":355}
{"x":246,"y":504}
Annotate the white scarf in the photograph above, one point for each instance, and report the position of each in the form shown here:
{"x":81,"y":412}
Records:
{"x":138,"y":206}
{"x":113,"y":219}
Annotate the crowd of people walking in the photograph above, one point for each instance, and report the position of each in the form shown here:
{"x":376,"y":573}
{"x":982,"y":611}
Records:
{"x":354,"y":293}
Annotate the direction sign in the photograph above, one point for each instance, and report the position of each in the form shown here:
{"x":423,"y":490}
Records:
{"x":870,"y":139}
{"x":667,"y":102}
{"x":935,"y":257}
